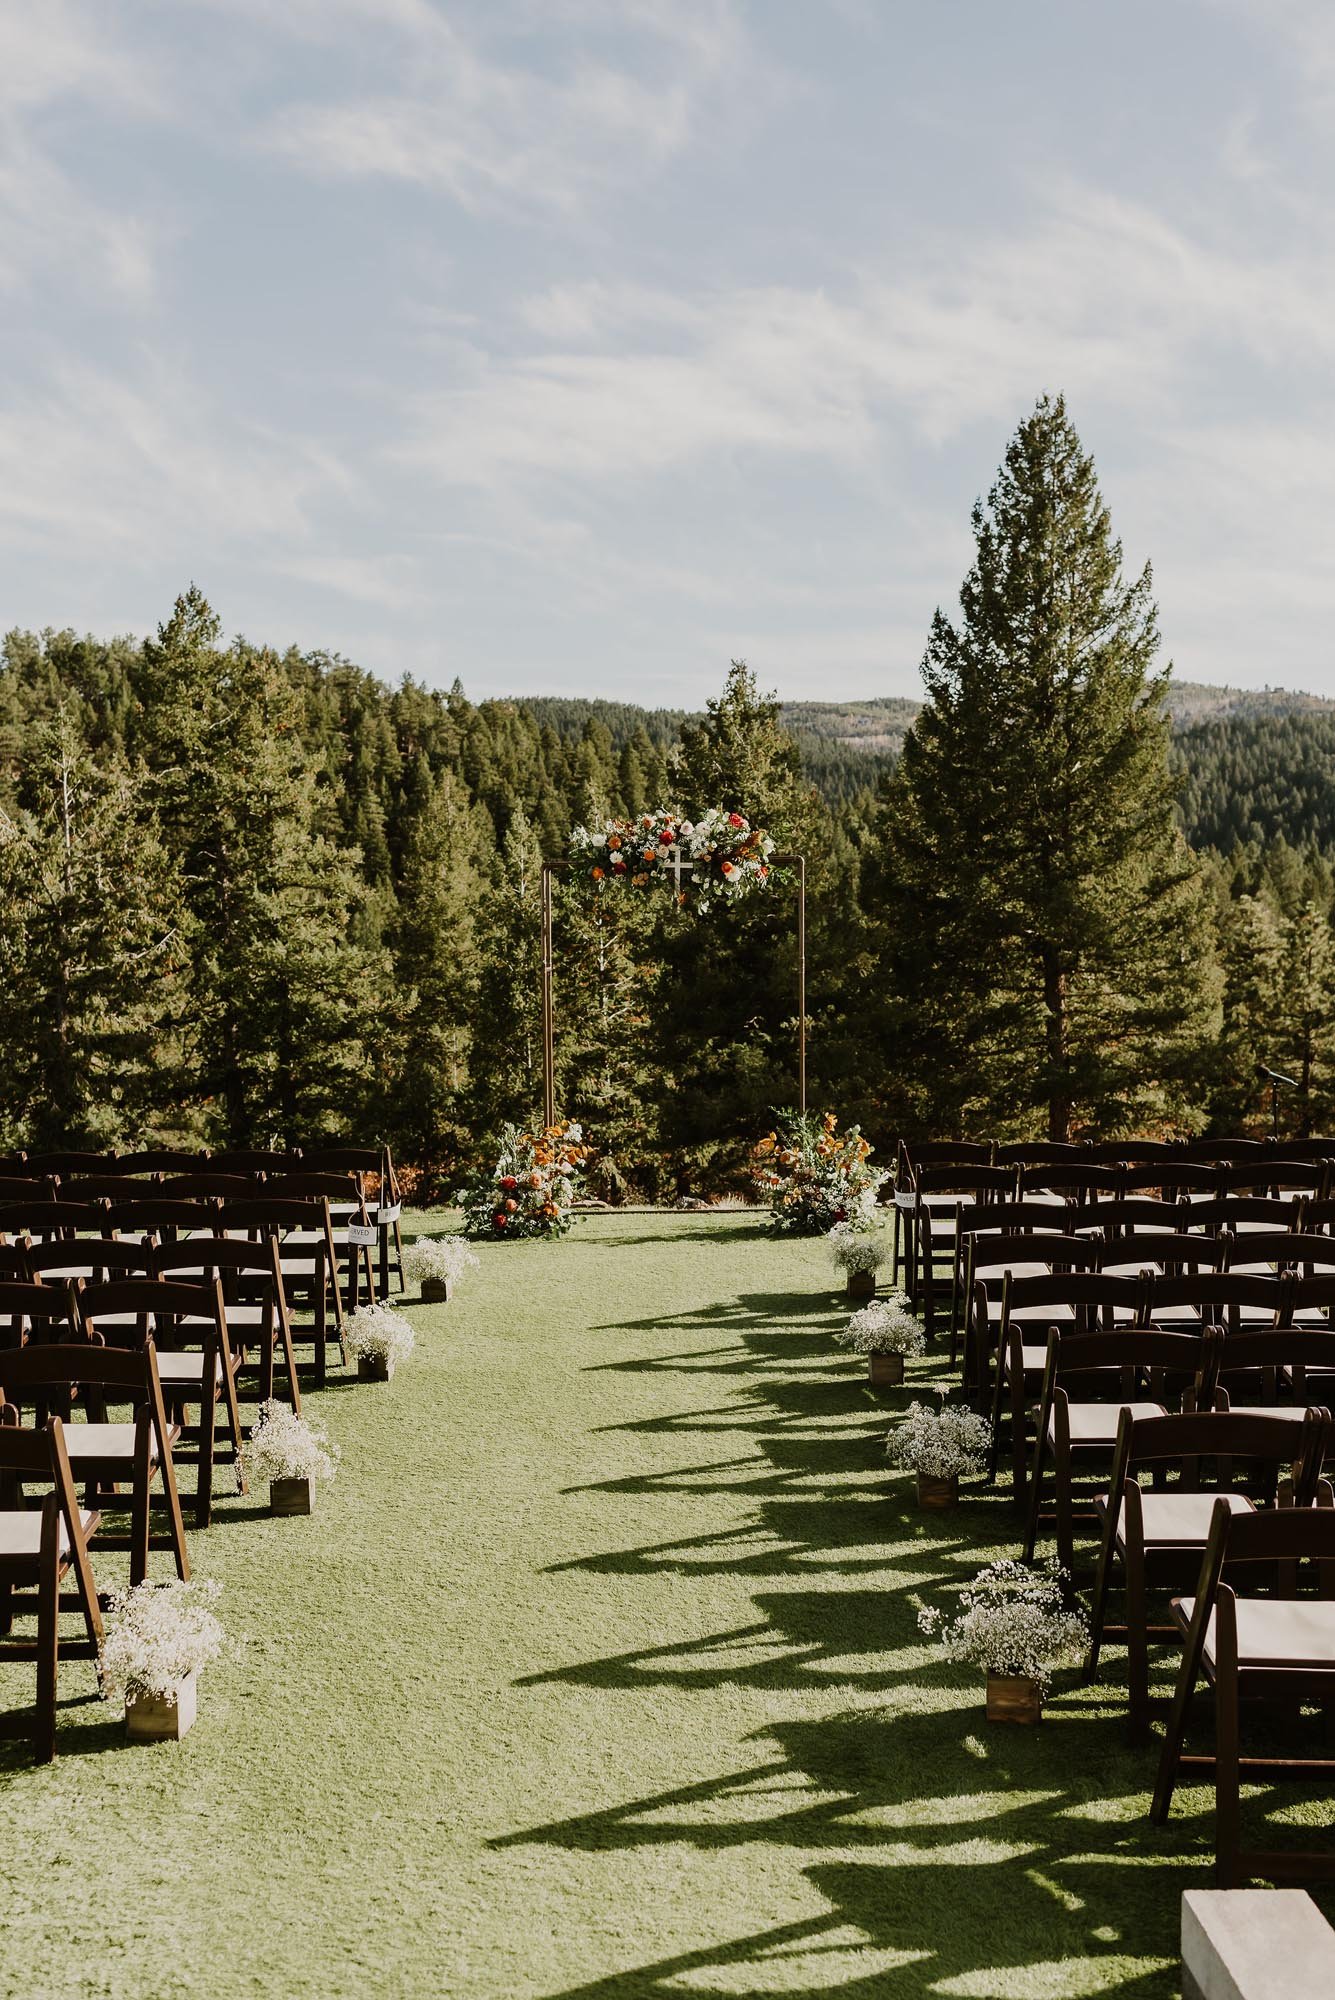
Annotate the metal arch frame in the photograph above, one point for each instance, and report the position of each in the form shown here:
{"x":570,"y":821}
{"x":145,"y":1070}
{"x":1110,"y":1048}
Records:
{"x":551,"y":869}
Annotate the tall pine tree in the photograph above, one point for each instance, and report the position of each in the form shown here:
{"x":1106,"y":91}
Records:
{"x":1046,"y":934}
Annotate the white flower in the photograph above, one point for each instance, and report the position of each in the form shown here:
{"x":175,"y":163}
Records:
{"x":941,"y":1444}
{"x":853,"y":1247}
{"x":600,"y":840}
{"x":1014,"y":1621}
{"x":441,"y":1257}
{"x":284,"y":1446}
{"x":886,"y":1326}
{"x":158,"y":1634}
{"x":375,"y":1333}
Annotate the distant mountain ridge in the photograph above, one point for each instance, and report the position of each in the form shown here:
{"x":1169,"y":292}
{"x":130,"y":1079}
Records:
{"x":1258,"y":763}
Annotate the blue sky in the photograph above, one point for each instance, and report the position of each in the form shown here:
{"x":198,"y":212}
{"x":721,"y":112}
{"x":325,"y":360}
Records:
{"x":582,"y":345}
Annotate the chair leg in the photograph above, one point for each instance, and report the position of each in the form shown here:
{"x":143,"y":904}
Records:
{"x":1227,"y":1774}
{"x":208,"y":1425}
{"x":176,"y":1526}
{"x":1170,"y":1757}
{"x":233,"y":1417}
{"x":290,"y":1360}
{"x":48,"y":1639}
{"x":6,"y":1608}
{"x":139,"y":1509}
{"x":1018,"y":1408}
{"x":1098,"y":1608}
{"x":1137,"y":1649}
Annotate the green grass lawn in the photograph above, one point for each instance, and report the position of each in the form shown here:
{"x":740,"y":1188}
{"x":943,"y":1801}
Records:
{"x":597,"y":1674}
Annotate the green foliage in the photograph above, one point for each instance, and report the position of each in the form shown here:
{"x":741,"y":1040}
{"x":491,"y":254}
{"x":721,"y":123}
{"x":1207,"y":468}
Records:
{"x":1044,"y":920}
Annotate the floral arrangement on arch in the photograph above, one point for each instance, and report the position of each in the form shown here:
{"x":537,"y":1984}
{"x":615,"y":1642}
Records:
{"x":816,"y":1177}
{"x":533,"y":1187}
{"x":721,"y":852}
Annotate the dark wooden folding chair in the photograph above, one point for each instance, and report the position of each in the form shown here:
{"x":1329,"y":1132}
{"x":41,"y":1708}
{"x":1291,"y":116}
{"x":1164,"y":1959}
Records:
{"x":1038,"y":1153}
{"x":1263,"y":1174}
{"x":1276,"y":1644}
{"x":1082,"y":1300}
{"x":52,"y":1221}
{"x":30,"y":1310}
{"x":1164,"y":1252}
{"x":256,"y":1162}
{"x":1246,"y":1214}
{"x":64,"y":1166}
{"x":160,"y":1160}
{"x":1156,"y":1538}
{"x":205,"y":1186}
{"x":1090,"y":1378}
{"x":910,"y":1157}
{"x":165,"y":1221}
{"x":1134,"y":1211}
{"x":991,"y":1260}
{"x":1219,"y":1151}
{"x":1190,"y":1300}
{"x":255,"y":1305}
{"x":982,"y":1219}
{"x":347,"y":1229}
{"x":1277,"y":1371}
{"x":378,"y":1162}
{"x":39,"y":1548}
{"x":91,"y":1257}
{"x":23,"y":1188}
{"x":303,"y":1232}
{"x":103,"y":1452}
{"x":937,"y":1194}
{"x":1072,"y":1181}
{"x":186,"y":1326}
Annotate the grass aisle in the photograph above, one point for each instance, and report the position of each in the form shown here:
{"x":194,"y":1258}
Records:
{"x":597,"y":1674}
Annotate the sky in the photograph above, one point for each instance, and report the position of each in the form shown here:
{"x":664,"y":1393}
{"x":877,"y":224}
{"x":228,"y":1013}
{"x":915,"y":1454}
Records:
{"x":581,"y":346}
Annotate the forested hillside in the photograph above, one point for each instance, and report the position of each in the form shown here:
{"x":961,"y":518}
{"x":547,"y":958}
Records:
{"x":1256,"y":764}
{"x":250,"y":897}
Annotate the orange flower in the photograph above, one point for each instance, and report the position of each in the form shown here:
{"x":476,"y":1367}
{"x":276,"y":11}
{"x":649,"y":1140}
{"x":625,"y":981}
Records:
{"x":597,"y":874}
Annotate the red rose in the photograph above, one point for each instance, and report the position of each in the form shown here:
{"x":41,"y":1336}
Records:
{"x":500,"y":1219}
{"x":618,"y":867}
{"x":735,"y":819}
{"x":666,"y":836}
{"x":508,"y":1182}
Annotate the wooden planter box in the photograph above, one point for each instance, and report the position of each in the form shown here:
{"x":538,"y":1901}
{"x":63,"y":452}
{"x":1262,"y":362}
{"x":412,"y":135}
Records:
{"x":862,"y":1284}
{"x":291,"y":1496}
{"x":886,"y":1371}
{"x":936,"y":1495}
{"x":435,"y":1291}
{"x":149,"y":1719}
{"x":1013,"y":1698}
{"x":373,"y":1369}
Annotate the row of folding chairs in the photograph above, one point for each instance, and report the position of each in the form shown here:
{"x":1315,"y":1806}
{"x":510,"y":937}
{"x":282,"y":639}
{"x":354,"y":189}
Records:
{"x":1198,"y":1460}
{"x":938,"y":1204}
{"x":76,"y":1176}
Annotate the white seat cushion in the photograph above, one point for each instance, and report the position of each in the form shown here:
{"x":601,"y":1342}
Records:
{"x":1292,"y":1412}
{"x":1180,"y":1520}
{"x":1278,"y":1632}
{"x":1096,"y":1423}
{"x":21,"y":1532}
{"x":185,"y":1370}
{"x":103,"y":1441}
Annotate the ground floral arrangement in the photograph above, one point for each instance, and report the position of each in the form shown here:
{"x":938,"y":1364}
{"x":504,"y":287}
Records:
{"x":816,"y":1177}
{"x":1013,"y":1620}
{"x":721,"y":852}
{"x":158,"y":1635}
{"x":379,"y":1335}
{"x":857,"y":1252}
{"x":533,"y":1187}
{"x":886,"y":1326}
{"x":285,"y":1446}
{"x":949,"y":1443}
{"x":440,"y":1260}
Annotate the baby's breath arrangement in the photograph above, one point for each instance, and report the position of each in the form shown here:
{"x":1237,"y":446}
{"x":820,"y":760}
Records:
{"x":886,"y":1326}
{"x":948,"y":1443}
{"x":444,"y":1258}
{"x":853,"y":1250}
{"x":1013,"y":1620}
{"x":374,"y":1333}
{"x":284,"y":1446}
{"x":158,"y":1634}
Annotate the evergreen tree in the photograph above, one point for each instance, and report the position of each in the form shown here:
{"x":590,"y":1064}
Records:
{"x":283,"y":1003}
{"x":1045,"y":927}
{"x":436,"y":970}
{"x":507,"y":1032}
{"x":90,"y":952}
